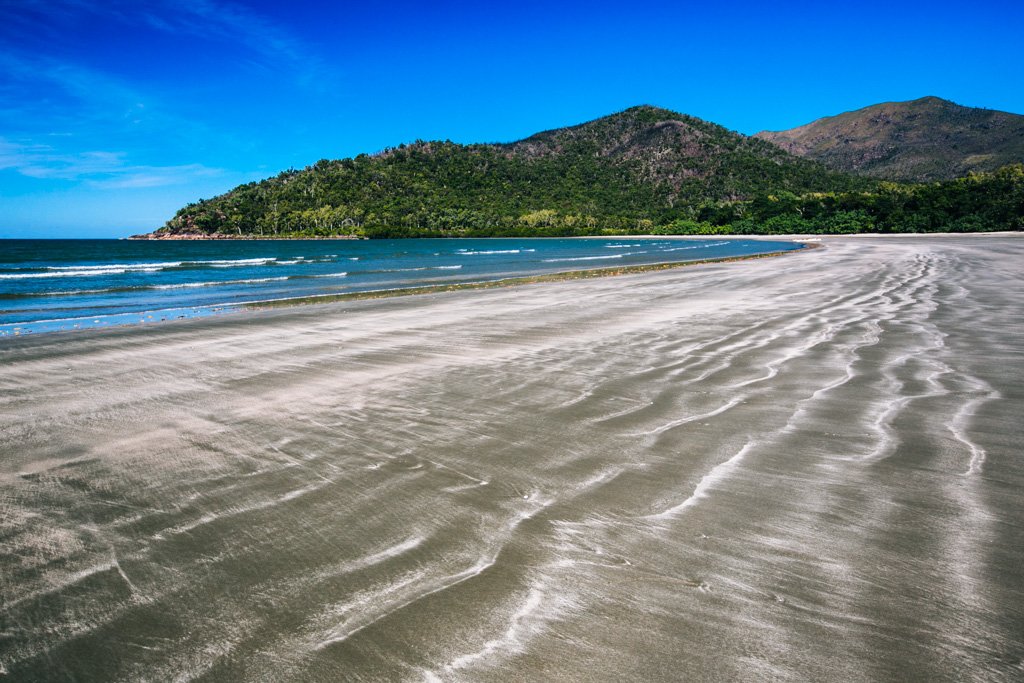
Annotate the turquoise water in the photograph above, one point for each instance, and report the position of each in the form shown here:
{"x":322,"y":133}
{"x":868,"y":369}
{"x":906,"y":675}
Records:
{"x":49,"y":285}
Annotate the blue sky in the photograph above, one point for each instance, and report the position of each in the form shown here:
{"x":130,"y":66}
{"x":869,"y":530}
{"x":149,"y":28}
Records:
{"x":115,"y":114}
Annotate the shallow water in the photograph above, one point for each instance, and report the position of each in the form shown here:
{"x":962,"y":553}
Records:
{"x":805,"y":468}
{"x":49,"y":285}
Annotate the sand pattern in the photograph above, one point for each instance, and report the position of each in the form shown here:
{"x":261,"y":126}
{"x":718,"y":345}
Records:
{"x":799,"y":468}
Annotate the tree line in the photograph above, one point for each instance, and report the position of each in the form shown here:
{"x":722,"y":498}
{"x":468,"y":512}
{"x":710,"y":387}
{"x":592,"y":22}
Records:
{"x":441,"y":189}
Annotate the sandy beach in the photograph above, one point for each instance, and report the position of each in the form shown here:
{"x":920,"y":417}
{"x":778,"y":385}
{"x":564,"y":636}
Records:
{"x":796,"y":468}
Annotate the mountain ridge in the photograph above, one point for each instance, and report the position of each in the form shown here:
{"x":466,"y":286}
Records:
{"x":919,"y":140}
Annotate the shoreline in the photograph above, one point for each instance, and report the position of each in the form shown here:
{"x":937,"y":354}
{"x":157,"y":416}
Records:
{"x":153,"y":317}
{"x":562,"y":276}
{"x":216,"y":237}
{"x":178,"y":314}
{"x":150,"y":237}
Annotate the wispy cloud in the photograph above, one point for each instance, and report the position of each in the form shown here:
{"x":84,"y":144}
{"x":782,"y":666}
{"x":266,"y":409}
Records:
{"x":232,"y":23}
{"x":134,"y":177}
{"x":99,"y":169}
{"x":50,"y":81}
{"x":49,"y":98}
{"x":261,"y":40}
{"x":72,"y":80}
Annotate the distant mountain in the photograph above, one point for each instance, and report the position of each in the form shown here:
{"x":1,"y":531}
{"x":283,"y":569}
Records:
{"x":632,"y":170}
{"x":688,"y":158}
{"x":921,"y":140}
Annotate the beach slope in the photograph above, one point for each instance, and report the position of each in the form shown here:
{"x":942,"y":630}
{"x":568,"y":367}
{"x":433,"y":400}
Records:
{"x":798,"y":468}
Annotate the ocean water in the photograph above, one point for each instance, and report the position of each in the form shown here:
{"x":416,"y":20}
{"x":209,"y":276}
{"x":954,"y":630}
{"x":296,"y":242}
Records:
{"x":49,"y":285}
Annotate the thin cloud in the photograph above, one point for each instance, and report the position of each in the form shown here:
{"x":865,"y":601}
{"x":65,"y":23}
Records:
{"x":272,"y":45}
{"x":99,"y":169}
{"x":64,"y":97}
{"x":231,"y":22}
{"x":134,"y":177}
{"x":99,"y":92}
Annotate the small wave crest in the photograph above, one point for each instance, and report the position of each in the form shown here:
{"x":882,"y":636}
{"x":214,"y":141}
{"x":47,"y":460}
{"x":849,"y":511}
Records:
{"x":470,"y":252}
{"x":93,"y":272}
{"x":695,"y":246}
{"x":121,"y":266}
{"x":230,"y":263}
{"x":404,"y":270}
{"x":214,"y":283}
{"x":584,"y":258}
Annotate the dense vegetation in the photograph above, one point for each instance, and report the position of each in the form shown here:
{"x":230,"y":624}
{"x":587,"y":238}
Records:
{"x":645,"y":170}
{"x":918,"y":141}
{"x":978,"y":202}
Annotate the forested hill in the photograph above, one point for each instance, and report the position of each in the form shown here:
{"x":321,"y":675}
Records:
{"x":638,"y":168}
{"x":921,"y":140}
{"x":643,"y":170}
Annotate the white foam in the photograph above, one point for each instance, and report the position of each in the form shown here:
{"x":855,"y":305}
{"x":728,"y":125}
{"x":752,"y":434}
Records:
{"x":214,"y":283}
{"x":231,"y":263}
{"x":76,"y":273}
{"x":695,"y":246}
{"x":417,"y":269}
{"x":584,"y":258}
{"x":468,"y":252}
{"x":123,"y":266}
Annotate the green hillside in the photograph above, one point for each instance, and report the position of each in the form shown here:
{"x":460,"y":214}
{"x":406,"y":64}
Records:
{"x":641,"y":171}
{"x":630,"y":171}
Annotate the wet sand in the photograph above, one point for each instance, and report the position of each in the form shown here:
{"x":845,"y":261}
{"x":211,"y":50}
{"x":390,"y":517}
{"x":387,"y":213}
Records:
{"x":798,"y":468}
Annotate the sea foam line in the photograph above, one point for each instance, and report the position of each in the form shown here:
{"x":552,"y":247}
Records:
{"x":584,"y":258}
{"x":469,"y":252}
{"x":124,"y":266}
{"x":77,"y":273}
{"x":121,"y":268}
{"x":214,"y":283}
{"x":410,"y":270}
{"x":232,"y":263}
